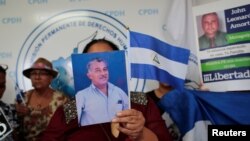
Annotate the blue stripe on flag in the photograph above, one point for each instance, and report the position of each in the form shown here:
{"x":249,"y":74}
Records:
{"x":189,"y":107}
{"x":169,"y":51}
{"x":154,"y":73}
{"x":149,"y":68}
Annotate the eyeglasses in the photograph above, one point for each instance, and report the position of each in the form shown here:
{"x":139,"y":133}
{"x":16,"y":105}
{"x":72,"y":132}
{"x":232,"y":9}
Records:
{"x":38,"y":73}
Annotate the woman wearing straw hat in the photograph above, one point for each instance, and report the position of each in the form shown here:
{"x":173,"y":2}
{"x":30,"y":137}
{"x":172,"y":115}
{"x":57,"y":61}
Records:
{"x":40,"y":102}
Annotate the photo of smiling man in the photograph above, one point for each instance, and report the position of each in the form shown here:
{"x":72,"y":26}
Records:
{"x":101,"y":100}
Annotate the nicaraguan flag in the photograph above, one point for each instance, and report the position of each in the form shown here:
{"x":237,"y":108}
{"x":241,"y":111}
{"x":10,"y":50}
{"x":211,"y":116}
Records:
{"x":192,"y":111}
{"x":180,"y":31}
{"x":154,"y":59}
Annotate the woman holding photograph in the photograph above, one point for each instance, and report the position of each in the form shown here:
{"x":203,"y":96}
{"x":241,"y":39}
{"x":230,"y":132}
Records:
{"x":142,"y":122}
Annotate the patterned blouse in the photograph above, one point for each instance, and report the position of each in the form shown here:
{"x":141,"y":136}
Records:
{"x":36,"y":122}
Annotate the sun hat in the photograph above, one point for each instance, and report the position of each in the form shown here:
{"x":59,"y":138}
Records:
{"x":41,"y":64}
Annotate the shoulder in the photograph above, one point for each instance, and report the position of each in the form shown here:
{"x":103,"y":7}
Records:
{"x":27,"y":95}
{"x":115,"y":88}
{"x":202,"y":38}
{"x":29,"y":92}
{"x":3,"y":104}
{"x":5,"y":107}
{"x":139,"y":98}
{"x":70,"y":110}
{"x":112,"y":86}
{"x":60,"y":96}
{"x":84,"y":91}
{"x":221,"y":34}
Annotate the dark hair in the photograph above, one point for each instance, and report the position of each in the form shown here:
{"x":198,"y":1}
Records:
{"x":111,"y":44}
{"x":3,"y":68}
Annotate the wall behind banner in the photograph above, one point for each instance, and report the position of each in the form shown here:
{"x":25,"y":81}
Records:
{"x":55,"y":29}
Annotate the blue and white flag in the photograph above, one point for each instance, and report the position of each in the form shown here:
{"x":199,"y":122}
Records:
{"x":192,"y":111}
{"x":154,"y":59}
{"x":179,"y":30}
{"x":19,"y":94}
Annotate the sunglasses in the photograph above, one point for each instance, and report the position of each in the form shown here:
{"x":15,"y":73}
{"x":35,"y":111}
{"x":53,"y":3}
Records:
{"x":38,"y":73}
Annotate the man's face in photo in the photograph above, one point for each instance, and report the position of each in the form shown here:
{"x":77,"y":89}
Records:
{"x":98,"y":73}
{"x":210,"y":25}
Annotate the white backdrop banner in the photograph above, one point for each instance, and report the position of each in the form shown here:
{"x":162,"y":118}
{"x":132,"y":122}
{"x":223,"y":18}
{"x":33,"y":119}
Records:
{"x":56,"y":29}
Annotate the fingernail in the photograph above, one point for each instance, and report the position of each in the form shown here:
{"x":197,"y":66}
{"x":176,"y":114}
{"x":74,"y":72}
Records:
{"x":114,"y":120}
{"x":119,"y":114}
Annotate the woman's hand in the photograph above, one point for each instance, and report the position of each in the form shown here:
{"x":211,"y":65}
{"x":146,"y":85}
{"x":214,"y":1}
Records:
{"x":132,"y":124}
{"x":22,"y":109}
{"x":202,"y":87}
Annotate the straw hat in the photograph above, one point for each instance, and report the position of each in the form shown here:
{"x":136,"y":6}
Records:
{"x":41,"y":64}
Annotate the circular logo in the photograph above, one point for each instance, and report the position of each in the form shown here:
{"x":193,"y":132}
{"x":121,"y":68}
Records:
{"x":62,"y":35}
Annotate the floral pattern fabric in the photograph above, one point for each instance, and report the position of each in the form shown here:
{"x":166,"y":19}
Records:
{"x":37,"y":121}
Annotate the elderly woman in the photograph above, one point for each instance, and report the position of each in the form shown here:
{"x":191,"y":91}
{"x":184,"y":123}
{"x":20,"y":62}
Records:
{"x":41,"y":102}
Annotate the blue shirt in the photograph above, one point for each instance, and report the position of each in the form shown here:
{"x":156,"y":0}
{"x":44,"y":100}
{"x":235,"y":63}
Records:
{"x":94,"y":107}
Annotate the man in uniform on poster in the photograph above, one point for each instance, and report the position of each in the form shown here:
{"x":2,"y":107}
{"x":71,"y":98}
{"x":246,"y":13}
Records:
{"x":212,"y":36}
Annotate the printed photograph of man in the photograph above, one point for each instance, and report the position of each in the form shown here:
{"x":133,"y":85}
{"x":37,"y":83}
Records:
{"x":101,"y":99}
{"x":212,"y":34}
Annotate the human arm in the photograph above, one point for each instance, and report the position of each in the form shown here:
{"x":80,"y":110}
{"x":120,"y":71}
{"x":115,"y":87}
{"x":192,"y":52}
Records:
{"x":164,"y":89}
{"x":21,"y":109}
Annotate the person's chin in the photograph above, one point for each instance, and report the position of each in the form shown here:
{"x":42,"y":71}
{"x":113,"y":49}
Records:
{"x":104,"y":82}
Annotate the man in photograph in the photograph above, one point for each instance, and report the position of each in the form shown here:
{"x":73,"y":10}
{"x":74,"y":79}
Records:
{"x":212,"y":36}
{"x":99,"y":102}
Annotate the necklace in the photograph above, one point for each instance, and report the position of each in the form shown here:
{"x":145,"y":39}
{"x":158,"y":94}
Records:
{"x":40,"y":101}
{"x":39,"y":105}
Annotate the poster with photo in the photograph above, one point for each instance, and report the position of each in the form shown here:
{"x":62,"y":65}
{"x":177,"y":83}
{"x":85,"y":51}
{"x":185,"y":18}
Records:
{"x":5,"y":128}
{"x":223,"y":44}
{"x":101,"y":84}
